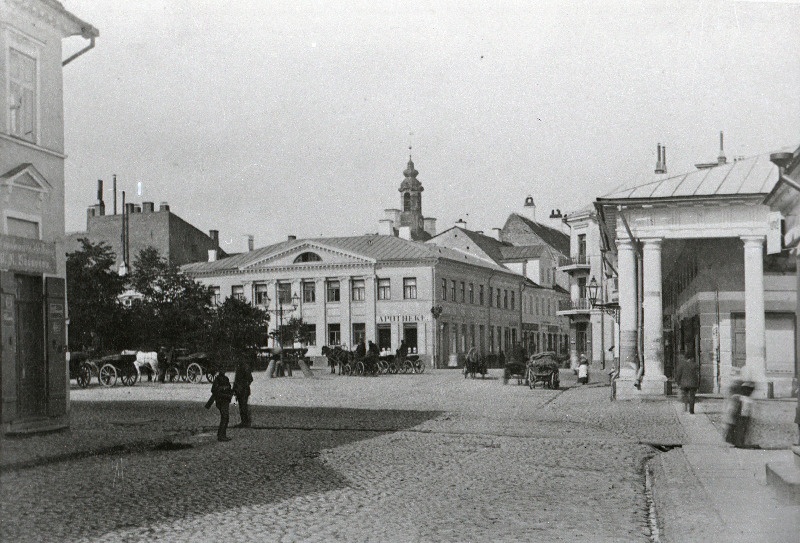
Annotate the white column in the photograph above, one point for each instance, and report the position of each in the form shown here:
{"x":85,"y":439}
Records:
{"x":754,"y":321}
{"x":626,"y":266}
{"x":653,"y":323}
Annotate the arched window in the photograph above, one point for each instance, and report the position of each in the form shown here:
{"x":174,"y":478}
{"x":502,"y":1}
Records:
{"x":307,"y":257}
{"x":407,"y":201}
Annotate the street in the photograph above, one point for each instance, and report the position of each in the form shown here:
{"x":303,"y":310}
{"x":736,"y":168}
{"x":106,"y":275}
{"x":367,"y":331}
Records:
{"x":432,"y":457}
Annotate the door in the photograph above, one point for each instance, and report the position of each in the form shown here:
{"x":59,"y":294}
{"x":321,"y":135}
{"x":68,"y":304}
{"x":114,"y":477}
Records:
{"x":31,"y":374}
{"x":738,"y":336}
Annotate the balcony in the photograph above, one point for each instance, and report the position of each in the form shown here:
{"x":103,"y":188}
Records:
{"x":574,"y":307}
{"x":574,"y":263}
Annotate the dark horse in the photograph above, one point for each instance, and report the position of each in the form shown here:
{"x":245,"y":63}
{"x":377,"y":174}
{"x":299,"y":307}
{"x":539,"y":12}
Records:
{"x":474,"y":364}
{"x":336,"y":357}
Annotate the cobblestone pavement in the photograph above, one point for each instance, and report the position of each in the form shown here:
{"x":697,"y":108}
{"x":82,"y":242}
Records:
{"x":430,"y":457}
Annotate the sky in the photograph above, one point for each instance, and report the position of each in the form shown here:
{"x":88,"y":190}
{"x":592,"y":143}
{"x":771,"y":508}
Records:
{"x":296,"y":118}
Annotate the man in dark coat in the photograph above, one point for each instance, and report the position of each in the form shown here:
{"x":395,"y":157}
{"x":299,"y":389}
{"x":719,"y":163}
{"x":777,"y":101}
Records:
{"x":221,"y":395}
{"x":687,"y":376}
{"x":361,"y":350}
{"x":403,"y":350}
{"x":241,"y":388}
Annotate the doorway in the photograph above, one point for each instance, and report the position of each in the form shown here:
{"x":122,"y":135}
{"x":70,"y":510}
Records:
{"x":31,"y":374}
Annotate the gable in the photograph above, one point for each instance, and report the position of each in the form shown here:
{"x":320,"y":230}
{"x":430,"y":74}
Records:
{"x":304,"y":254}
{"x":25,"y":176}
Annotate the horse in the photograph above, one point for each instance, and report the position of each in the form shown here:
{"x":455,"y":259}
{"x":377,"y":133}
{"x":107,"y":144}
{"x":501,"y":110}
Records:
{"x":474,"y":364}
{"x":148,"y":362}
{"x":336,"y":357}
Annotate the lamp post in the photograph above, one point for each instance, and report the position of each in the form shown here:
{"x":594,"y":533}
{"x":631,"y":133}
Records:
{"x":435,"y":311}
{"x":608,"y":309}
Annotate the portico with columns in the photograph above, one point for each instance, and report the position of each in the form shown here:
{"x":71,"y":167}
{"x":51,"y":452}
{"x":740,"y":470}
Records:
{"x":690,"y":254}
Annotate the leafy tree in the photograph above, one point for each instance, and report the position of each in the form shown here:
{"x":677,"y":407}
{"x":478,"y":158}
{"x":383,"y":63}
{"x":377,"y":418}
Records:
{"x":237,"y":327}
{"x":293,"y":330}
{"x":93,"y":286}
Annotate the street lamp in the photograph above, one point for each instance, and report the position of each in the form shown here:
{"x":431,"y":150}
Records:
{"x":594,"y":290}
{"x":435,"y":311}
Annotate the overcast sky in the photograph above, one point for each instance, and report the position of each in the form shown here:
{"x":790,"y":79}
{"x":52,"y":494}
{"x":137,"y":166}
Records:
{"x":277,"y":118}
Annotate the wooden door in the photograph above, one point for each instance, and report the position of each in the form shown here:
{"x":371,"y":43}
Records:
{"x":31,"y":370}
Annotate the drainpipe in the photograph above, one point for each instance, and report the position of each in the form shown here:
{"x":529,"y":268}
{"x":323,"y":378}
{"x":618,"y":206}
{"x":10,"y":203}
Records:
{"x":82,"y":51}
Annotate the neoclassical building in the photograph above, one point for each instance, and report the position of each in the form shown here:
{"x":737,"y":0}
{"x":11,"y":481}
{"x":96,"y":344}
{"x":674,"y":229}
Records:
{"x":701,"y":270}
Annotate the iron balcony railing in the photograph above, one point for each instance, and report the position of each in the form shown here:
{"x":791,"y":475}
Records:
{"x":575,"y":305}
{"x":574,"y":260}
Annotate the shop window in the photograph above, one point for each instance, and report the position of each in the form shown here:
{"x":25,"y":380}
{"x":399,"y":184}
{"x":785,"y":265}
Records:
{"x":358,"y":290}
{"x":334,"y":334}
{"x":309,"y":292}
{"x":384,"y":289}
{"x":333,"y":291}
{"x":409,"y":288}
{"x":410,"y":337}
{"x":23,"y":96}
{"x":237,"y":291}
{"x":384,"y":337}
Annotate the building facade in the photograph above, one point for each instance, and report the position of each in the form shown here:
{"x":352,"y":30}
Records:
{"x":702,"y":271}
{"x":35,"y":380}
{"x":139,"y":226}
{"x":386,"y":289}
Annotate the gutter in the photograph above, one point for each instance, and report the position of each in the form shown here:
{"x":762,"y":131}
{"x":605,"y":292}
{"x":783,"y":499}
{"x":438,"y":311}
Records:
{"x":789,"y":182}
{"x":82,"y":51}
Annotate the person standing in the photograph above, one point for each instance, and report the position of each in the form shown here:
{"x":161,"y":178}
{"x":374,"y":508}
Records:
{"x":687,"y":375}
{"x":241,"y":388}
{"x":583,"y":370}
{"x":221,"y":395}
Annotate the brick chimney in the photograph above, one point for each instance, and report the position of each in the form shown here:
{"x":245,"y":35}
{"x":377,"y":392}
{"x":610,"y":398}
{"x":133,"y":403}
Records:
{"x":148,"y":207}
{"x":214,"y":235}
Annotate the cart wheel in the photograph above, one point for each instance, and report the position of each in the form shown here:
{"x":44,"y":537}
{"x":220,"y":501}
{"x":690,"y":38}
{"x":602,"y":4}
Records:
{"x":108,"y":375}
{"x":359,"y":369}
{"x":209,"y":377}
{"x":84,"y":375}
{"x":347,"y":369}
{"x":173,"y":374}
{"x":419,"y":366}
{"x":194,"y":372}
{"x":129,"y":378}
{"x":408,"y":367}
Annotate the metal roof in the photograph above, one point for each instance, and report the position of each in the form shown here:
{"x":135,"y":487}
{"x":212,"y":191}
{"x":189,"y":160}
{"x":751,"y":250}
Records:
{"x":748,"y":176}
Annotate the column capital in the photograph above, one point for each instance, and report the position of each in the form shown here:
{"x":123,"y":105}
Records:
{"x":624,"y":244}
{"x":753,"y":241}
{"x":652,"y":243}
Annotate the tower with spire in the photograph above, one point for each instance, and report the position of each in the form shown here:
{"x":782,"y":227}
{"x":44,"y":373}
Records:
{"x":408,"y":221}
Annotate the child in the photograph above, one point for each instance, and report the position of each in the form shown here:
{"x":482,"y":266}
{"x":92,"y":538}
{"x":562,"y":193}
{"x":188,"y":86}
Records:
{"x":583,"y":370}
{"x":738,"y":410}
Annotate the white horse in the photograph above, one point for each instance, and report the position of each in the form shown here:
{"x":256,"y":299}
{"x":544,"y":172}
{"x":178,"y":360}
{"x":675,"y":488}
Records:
{"x":147,"y":360}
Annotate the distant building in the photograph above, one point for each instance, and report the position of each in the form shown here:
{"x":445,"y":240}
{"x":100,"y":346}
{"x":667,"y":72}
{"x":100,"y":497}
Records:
{"x":35,"y":381}
{"x":408,"y":222}
{"x":139,"y":226}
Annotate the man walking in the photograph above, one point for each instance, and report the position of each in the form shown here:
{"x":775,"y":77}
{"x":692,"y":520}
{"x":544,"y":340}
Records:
{"x":241,"y":388}
{"x":687,"y":375}
{"x":221,"y":395}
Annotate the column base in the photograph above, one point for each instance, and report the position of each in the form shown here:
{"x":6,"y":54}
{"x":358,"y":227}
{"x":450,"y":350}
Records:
{"x":625,"y":389}
{"x":654,"y":386}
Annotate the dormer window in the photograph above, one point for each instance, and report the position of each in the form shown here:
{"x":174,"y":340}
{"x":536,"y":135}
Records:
{"x":307,"y":257}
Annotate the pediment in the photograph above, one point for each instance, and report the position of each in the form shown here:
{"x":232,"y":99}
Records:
{"x":304,"y":254}
{"x":27,"y":177}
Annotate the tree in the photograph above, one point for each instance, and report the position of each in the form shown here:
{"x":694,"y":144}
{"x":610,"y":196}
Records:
{"x":293,"y":331}
{"x":237,"y":327}
{"x":93,"y":287}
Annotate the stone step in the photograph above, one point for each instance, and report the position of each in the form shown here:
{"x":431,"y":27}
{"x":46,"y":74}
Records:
{"x":784,"y":476}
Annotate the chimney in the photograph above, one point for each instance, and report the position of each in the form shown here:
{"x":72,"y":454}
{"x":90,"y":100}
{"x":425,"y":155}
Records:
{"x":429,"y":225}
{"x":130,"y":208}
{"x":664,"y":159}
{"x":137,"y":208}
{"x":212,"y":255}
{"x":461,"y":223}
{"x":496,"y":233}
{"x":392,"y":215}
{"x":101,"y":206}
{"x":529,"y":209}
{"x":214,"y":235}
{"x":405,"y":232}
{"x":291,"y":237}
{"x":148,"y":207}
{"x":115,"y":194}
{"x":721,"y":159}
{"x":89,"y":214}
{"x":163,"y":206}
{"x":250,"y":242}
{"x":385,"y":227}
{"x":659,"y":164}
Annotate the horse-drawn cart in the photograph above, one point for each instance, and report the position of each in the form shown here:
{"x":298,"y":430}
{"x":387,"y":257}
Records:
{"x":543,"y":368}
{"x":190,"y":367}
{"x":81,"y":368}
{"x":115,"y":366}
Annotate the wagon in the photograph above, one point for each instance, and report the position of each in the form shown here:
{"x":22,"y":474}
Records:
{"x":543,"y":368}
{"x":81,"y":368}
{"x":190,"y":367}
{"x":116,"y":366}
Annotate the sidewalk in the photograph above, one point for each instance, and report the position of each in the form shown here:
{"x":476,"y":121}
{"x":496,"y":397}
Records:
{"x":708,"y":490}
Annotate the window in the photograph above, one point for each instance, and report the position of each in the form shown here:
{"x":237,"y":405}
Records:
{"x":505,"y":299}
{"x":582,"y":288}
{"x":471,"y":293}
{"x":410,"y":337}
{"x":491,"y":339}
{"x":409,"y":288}
{"x":384,"y":289}
{"x":359,"y":332}
{"x":384,"y":337}
{"x":463,"y":292}
{"x":309,"y":292}
{"x":334,"y":334}
{"x":512,"y":299}
{"x":471,"y":335}
{"x":261,"y":295}
{"x":215,"y":295}
{"x":285,"y":293}
{"x":498,"y":298}
{"x":307,"y":257}
{"x":581,"y":248}
{"x":311,"y":335}
{"x":407,"y":201}
{"x":453,"y":290}
{"x":480,"y":294}
{"x":491,"y":295}
{"x":23,"y":99}
{"x":358,"y":290}
{"x":333,"y":292}
{"x":444,"y":289}
{"x":237,"y":291}
{"x":463,"y":338}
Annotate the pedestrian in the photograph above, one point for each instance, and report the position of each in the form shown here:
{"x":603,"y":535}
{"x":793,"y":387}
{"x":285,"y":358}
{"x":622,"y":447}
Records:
{"x":738,"y":412}
{"x":221,"y":395}
{"x":241,"y":388}
{"x":583,"y":370}
{"x":687,"y":376}
{"x":361,"y":349}
{"x":161,"y":364}
{"x":797,"y":414}
{"x":403,"y":350}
